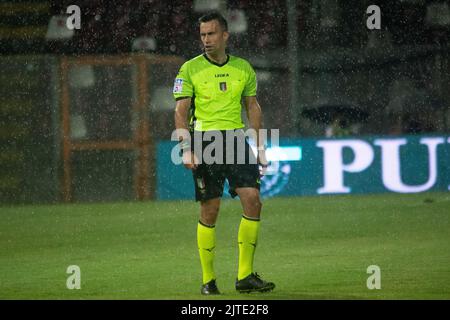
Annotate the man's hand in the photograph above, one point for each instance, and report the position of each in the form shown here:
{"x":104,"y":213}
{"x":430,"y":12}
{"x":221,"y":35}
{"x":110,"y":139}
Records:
{"x":262,"y":161}
{"x":190,"y":160}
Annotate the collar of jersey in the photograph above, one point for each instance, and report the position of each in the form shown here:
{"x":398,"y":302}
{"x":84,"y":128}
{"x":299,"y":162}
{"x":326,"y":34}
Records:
{"x":216,"y":64}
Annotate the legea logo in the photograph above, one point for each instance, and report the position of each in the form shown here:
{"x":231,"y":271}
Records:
{"x":335,"y":168}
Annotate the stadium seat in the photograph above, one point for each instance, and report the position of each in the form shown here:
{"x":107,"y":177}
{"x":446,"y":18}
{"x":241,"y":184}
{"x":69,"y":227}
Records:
{"x":144,"y":44}
{"x":57,"y":29}
{"x":207,"y":5}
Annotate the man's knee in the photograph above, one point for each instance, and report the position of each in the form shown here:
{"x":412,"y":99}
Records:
{"x":252,"y":202}
{"x":256,"y":203}
{"x":259,"y":204}
{"x":210,"y":206}
{"x":210,"y":210}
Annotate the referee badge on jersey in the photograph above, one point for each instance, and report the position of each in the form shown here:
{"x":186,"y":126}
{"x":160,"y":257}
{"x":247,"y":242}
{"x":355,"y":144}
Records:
{"x":223,"y":86}
{"x":178,"y":85}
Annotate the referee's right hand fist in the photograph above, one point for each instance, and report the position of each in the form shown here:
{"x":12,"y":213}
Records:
{"x":190,"y":160}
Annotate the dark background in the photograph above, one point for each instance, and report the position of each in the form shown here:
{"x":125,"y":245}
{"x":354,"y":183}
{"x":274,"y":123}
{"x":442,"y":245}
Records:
{"x":312,"y":57}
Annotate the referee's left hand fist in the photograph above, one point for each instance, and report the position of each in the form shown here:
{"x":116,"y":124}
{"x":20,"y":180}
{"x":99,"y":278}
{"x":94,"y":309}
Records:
{"x":190,"y":160}
{"x":262,"y":161}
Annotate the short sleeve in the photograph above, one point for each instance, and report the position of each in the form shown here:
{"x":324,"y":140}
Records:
{"x":182,"y":86}
{"x":251,"y":85}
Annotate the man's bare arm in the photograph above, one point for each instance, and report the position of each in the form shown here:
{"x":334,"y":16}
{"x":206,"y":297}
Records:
{"x":254,"y":115}
{"x":181,"y":125}
{"x":181,"y":116}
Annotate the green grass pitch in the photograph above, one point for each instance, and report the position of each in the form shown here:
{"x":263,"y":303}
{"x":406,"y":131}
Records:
{"x":311,"y":247}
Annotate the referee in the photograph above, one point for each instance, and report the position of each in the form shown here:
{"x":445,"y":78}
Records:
{"x":208,"y":91}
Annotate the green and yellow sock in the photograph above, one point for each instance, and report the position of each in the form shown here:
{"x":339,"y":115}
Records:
{"x":206,"y":240}
{"x":247,"y":240}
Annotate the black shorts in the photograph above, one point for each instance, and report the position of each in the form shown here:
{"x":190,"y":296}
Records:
{"x":209,"y":179}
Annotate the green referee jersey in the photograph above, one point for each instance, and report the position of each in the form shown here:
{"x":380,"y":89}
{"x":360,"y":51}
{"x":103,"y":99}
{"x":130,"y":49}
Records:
{"x":216,"y":91}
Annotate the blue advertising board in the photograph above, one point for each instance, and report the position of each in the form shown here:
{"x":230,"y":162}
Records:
{"x":354,"y":165}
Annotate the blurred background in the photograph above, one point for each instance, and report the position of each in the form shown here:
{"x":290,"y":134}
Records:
{"x":82,"y":112}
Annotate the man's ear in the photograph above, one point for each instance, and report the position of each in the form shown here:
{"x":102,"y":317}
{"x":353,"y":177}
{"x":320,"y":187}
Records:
{"x":226,"y":35}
